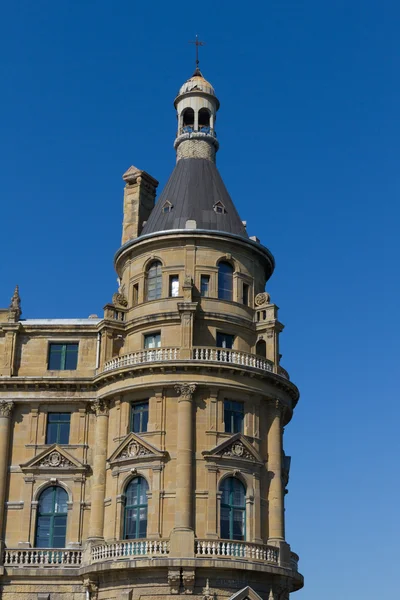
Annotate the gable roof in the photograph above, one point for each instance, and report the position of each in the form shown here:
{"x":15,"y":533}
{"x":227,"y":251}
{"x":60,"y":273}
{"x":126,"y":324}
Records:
{"x":194,"y":188}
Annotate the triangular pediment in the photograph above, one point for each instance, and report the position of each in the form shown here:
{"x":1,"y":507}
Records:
{"x":53,"y":458}
{"x":236,"y":447}
{"x":246,"y":593}
{"x":135,"y":449}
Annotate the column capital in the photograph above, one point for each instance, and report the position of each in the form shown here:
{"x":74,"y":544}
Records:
{"x":6,"y":408}
{"x":100,"y":407}
{"x":277,"y":406}
{"x":185,"y":390}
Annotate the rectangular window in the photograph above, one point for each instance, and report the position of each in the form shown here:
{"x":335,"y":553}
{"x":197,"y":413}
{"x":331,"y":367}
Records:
{"x":139,"y":416}
{"x":224,"y":340}
{"x":173,"y":286}
{"x":63,"y":357}
{"x":152,"y":340}
{"x":233,"y":416}
{"x":204,"y":285}
{"x":57,"y":431}
{"x":135,"y":294}
{"x":245,"y":294}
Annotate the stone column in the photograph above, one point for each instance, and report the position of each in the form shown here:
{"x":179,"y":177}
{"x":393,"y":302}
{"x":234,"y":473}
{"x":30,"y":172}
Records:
{"x":275,"y":495}
{"x":98,"y":487}
{"x":182,"y":537}
{"x":6,"y":408}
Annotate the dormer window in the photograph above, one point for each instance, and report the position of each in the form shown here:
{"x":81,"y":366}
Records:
{"x":219,"y":208}
{"x":167,"y":207}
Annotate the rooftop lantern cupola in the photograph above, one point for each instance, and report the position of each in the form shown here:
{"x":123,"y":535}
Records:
{"x":196,"y":105}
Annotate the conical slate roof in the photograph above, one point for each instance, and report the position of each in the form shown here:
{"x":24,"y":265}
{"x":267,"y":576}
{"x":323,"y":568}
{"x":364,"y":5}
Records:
{"x":196,"y":192}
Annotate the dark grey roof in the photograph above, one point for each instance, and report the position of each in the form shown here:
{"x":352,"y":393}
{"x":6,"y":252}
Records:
{"x":194,"y":188}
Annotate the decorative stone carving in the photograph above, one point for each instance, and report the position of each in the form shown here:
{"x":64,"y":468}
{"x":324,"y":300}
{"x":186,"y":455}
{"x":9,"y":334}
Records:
{"x":185,"y":390}
{"x":91,"y":587}
{"x":237,"y":450}
{"x":100,"y":407}
{"x":119,"y":299}
{"x":55,"y":460}
{"x":6,"y":408}
{"x":15,"y":306}
{"x":133,"y":450}
{"x":207,"y":595}
{"x":261,"y":299}
{"x":174,"y":580}
{"x":188,"y":579}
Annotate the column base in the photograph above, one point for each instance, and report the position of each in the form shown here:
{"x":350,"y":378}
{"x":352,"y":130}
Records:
{"x":181,"y":543}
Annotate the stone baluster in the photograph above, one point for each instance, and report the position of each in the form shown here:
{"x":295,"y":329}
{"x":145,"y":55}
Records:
{"x":182,"y":537}
{"x":6,"y":408}
{"x":98,"y":487}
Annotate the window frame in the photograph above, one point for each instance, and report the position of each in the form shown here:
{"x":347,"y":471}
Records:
{"x":154,"y":334}
{"x":63,"y":355}
{"x":58,"y":428}
{"x":171,"y":280}
{"x":229,"y":411}
{"x":54,"y":515}
{"x":136,"y":506}
{"x":135,"y":405}
{"x":233,"y":508}
{"x":205,"y":276}
{"x":158,"y":291}
{"x":225,"y":293}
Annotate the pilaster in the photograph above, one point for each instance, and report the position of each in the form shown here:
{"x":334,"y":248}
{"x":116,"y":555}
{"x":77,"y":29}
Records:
{"x":98,"y":480}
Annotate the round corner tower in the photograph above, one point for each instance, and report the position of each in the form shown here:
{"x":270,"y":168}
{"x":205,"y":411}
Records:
{"x":189,"y":472}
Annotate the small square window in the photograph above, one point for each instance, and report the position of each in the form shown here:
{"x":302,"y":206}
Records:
{"x":233,"y":416}
{"x":204,"y":285}
{"x":57,"y":430}
{"x":63,"y":357}
{"x":139,"y":416}
{"x":173,"y":286}
{"x":152,"y":340}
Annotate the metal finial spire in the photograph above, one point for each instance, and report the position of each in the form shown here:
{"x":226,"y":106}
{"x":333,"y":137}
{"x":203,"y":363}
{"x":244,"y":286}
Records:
{"x":197,"y":43}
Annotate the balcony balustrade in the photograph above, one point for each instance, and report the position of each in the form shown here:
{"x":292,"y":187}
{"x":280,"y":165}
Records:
{"x":35,"y":557}
{"x":130,"y":549}
{"x":230,"y":549}
{"x":136,"y":549}
{"x":142,"y":357}
{"x":199,"y":354}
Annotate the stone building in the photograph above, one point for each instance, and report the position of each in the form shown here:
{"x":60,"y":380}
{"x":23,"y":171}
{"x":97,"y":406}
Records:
{"x":141,"y":453}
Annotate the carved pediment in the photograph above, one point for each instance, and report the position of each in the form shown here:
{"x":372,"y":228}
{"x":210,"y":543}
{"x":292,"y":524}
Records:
{"x":246,"y":593}
{"x":134,"y":449}
{"x":53,"y":458}
{"x":236,"y":447}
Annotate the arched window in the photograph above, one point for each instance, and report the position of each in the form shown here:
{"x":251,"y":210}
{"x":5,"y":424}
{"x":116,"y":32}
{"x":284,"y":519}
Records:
{"x":51,"y":524}
{"x":225,"y":281}
{"x":261,"y":348}
{"x":233,"y":509}
{"x":204,"y":120}
{"x":188,"y":120}
{"x":135,"y":512}
{"x":154,"y":281}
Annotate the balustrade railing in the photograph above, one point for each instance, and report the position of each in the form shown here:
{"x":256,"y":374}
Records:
{"x":294,"y":561}
{"x":227,"y":355}
{"x":141,"y":357}
{"x":237,"y":550}
{"x":130,"y":548}
{"x":43,"y":558}
{"x":203,"y":354}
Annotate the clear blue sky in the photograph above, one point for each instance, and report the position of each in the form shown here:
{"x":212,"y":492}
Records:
{"x":309,"y":130}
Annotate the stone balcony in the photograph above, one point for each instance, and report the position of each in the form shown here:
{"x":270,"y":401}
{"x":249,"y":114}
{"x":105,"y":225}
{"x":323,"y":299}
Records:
{"x":125,"y":550}
{"x":199,"y":354}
